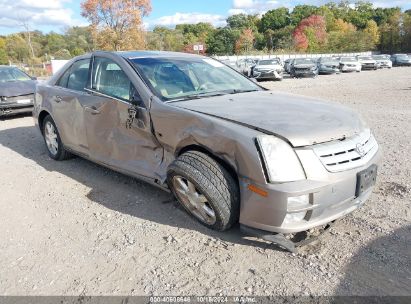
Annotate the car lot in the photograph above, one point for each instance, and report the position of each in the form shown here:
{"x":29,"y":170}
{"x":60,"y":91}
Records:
{"x":76,"y":228}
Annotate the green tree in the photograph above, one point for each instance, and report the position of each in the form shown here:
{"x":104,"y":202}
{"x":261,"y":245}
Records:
{"x":17,"y":48}
{"x":222,"y":41}
{"x":301,"y":12}
{"x":275,"y":19}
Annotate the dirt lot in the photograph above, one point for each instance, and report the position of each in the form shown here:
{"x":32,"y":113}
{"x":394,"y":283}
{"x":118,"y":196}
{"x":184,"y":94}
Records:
{"x":75,"y":228}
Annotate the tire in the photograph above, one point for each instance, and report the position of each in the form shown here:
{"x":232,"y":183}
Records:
{"x":54,"y":145}
{"x":213,"y":185}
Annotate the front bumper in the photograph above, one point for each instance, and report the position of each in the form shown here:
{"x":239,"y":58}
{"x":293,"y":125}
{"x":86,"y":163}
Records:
{"x":350,"y":68}
{"x":262,"y":75}
{"x":305,"y":73}
{"x":369,"y":67}
{"x":329,"y":71}
{"x":331,"y":196}
{"x":16,"y":105}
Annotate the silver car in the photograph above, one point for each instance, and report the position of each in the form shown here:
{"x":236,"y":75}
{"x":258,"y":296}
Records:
{"x":228,"y":149}
{"x":268,"y":69}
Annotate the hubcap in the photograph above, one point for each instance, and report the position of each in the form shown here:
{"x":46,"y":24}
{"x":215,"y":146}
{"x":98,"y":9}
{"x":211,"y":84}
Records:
{"x":50,"y":135}
{"x":193,"y":200}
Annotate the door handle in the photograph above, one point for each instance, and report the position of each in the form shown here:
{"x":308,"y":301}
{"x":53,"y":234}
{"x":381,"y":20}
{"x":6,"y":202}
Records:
{"x":59,"y":99}
{"x":93,"y":110}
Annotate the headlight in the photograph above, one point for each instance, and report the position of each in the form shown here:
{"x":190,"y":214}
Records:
{"x":313,"y":68}
{"x":280,"y":160}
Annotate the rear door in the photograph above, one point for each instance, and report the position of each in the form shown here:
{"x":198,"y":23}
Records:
{"x":119,"y":129}
{"x":67,"y":97}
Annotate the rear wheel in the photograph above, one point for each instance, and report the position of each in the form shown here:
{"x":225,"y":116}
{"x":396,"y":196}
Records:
{"x":205,"y":189}
{"x":53,"y":142}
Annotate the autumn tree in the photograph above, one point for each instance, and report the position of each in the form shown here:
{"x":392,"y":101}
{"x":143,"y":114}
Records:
{"x":245,"y":42}
{"x":3,"y":53}
{"x":116,"y":24}
{"x":310,"y":35}
{"x":373,"y":33}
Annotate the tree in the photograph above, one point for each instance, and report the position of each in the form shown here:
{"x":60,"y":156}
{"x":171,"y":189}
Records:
{"x":243,"y":21}
{"x":245,"y":42}
{"x":301,"y":12}
{"x":310,"y":35}
{"x":222,"y":41}
{"x":17,"y":48}
{"x":275,"y":19}
{"x":116,"y":24}
{"x":3,"y":54}
{"x":372,"y":31}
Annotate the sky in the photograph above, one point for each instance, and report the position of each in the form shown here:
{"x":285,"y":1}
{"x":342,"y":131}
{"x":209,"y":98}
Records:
{"x":56,"y":15}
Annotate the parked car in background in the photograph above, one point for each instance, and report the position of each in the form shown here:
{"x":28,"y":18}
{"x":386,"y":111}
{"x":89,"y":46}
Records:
{"x":268,"y":69}
{"x":228,"y":149}
{"x":246,"y":66}
{"x":304,"y":67}
{"x":328,"y":65}
{"x":349,"y":64}
{"x":367,"y":63}
{"x":401,"y":60}
{"x":287,"y":65}
{"x":383,"y":61}
{"x":230,"y":63}
{"x":16,"y":91}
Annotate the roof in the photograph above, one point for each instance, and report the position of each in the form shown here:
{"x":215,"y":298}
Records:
{"x":151,"y":54}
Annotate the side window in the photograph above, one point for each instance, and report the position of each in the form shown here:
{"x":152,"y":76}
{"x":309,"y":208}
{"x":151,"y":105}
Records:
{"x":76,"y":77}
{"x":109,"y":79}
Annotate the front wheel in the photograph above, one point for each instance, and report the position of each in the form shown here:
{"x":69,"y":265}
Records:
{"x":53,"y":142}
{"x":205,"y":189}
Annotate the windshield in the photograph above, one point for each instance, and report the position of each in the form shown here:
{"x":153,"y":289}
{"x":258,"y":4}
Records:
{"x":12,"y":74}
{"x":173,"y":79}
{"x":304,"y":61}
{"x":345,"y":59}
{"x":365,"y":57}
{"x":380,"y":57}
{"x":269,"y":62}
{"x":329,"y":60}
{"x":402,"y":56}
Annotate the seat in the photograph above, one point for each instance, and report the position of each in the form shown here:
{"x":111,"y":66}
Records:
{"x":171,"y":81}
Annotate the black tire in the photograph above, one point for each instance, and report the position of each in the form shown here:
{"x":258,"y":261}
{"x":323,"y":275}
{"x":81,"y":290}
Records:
{"x":62,"y":154}
{"x":211,"y":180}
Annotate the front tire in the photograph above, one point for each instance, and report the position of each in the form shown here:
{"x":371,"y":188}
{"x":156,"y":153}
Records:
{"x":205,"y":189}
{"x":52,"y":140}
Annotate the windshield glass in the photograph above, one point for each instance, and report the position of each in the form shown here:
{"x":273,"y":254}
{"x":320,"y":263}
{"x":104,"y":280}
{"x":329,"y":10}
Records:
{"x":402,"y":56}
{"x":12,"y":74}
{"x":269,"y":62}
{"x":187,"y":78}
{"x":380,"y":57}
{"x":345,"y":59}
{"x":328,"y":60}
{"x":304,"y":61}
{"x":365,"y":57}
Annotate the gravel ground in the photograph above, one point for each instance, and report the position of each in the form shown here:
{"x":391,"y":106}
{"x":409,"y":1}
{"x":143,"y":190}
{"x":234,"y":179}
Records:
{"x":75,"y":228}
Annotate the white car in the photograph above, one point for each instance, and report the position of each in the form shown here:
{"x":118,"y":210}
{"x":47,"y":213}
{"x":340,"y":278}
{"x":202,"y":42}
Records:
{"x":367,"y":63}
{"x":383,"y":61}
{"x":349,"y":64}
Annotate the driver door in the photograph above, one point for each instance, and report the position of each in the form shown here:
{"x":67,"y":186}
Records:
{"x":118,"y":124}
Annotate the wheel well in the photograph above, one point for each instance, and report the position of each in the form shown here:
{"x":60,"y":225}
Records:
{"x":42,"y":116}
{"x":222,"y":162}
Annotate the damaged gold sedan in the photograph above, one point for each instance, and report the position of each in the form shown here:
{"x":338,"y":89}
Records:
{"x":228,"y":149}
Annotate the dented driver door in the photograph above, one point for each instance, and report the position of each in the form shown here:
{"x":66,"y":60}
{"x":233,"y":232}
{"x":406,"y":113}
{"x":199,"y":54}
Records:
{"x":118,"y":124}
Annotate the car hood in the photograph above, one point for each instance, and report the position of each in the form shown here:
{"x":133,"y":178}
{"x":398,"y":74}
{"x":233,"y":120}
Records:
{"x":268,"y":67}
{"x":304,"y":65}
{"x":302,"y":121}
{"x":17,"y":88}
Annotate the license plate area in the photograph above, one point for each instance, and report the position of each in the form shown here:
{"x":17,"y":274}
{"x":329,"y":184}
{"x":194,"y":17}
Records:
{"x":366,"y":179}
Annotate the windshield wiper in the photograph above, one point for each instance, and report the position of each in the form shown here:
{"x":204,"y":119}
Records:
{"x":197,"y":96}
{"x":235,"y":91}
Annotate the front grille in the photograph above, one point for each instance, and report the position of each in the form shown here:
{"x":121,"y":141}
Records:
{"x":348,"y":153}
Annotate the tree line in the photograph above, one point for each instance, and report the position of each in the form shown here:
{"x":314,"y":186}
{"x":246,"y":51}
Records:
{"x":117,"y":25}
